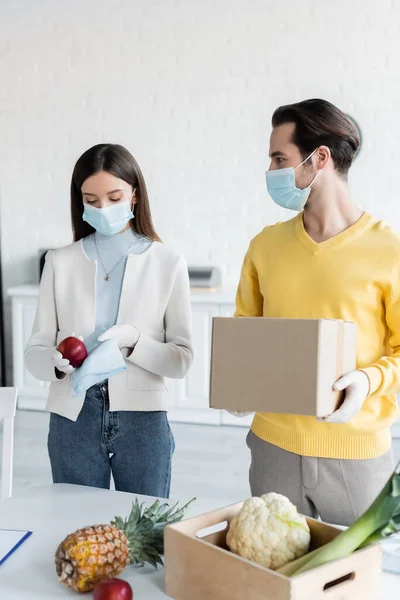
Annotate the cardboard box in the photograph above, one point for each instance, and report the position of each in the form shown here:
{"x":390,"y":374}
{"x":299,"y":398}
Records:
{"x":204,"y":569}
{"x":280,"y":365}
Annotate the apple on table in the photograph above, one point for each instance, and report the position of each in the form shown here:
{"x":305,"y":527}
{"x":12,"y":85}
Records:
{"x":112,"y":589}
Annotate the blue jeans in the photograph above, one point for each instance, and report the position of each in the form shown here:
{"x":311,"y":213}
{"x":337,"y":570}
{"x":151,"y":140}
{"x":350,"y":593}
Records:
{"x":136,"y":447}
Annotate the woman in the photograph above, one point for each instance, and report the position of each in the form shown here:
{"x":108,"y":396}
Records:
{"x":117,"y":278}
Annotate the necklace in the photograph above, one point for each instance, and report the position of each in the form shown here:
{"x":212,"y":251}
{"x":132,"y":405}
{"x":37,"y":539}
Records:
{"x":108,"y":273}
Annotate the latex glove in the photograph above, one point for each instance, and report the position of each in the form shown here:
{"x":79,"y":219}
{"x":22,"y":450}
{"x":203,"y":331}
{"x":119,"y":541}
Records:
{"x":356,"y":384}
{"x":237,"y":413}
{"x":59,"y":362}
{"x":127,"y":336}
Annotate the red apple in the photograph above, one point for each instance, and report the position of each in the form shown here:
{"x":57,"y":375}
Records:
{"x":112,"y":589}
{"x":73,"y":350}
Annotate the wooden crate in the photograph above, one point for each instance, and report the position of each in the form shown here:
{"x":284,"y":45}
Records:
{"x":202,"y":568}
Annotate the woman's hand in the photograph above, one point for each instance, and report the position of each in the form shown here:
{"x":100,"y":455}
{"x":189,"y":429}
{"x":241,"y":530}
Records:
{"x":126,"y":336}
{"x":61,"y":364}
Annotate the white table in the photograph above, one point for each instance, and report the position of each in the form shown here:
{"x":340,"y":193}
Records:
{"x":52,"y":512}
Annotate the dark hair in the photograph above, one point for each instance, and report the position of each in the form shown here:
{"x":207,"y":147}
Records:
{"x":118,"y":161}
{"x":320,"y":123}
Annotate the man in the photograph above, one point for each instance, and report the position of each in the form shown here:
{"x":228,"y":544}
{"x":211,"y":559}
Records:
{"x":331,"y":261}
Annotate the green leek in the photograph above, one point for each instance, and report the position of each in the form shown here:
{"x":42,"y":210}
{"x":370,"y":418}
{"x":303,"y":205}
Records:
{"x":379,"y":521}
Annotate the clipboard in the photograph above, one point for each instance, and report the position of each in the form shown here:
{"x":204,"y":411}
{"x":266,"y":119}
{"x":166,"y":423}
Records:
{"x":10,"y":541}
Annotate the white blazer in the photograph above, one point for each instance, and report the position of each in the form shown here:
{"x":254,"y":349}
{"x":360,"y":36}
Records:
{"x":155,"y":298}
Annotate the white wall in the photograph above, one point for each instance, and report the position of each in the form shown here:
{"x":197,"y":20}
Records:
{"x":189,"y":87}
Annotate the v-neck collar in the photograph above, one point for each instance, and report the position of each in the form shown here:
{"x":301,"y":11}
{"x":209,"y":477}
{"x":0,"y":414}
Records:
{"x":335,"y":242}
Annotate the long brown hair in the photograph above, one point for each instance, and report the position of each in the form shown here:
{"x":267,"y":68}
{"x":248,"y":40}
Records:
{"x":118,"y":161}
{"x":320,"y":123}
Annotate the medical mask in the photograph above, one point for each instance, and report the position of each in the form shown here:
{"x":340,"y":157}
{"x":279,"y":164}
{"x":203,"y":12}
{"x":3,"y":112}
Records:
{"x":109,"y":220}
{"x":281,"y":185}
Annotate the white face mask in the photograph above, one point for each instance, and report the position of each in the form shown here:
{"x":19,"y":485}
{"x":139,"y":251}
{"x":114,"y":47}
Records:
{"x":281,"y":185}
{"x":109,"y":220}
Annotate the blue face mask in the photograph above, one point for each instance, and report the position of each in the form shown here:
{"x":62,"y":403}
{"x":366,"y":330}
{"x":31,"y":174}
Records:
{"x":282,"y":188}
{"x":110,"y":220}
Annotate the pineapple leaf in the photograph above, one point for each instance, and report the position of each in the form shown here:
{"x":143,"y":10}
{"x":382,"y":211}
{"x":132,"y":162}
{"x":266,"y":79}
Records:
{"x":118,"y":522}
{"x":144,"y":529}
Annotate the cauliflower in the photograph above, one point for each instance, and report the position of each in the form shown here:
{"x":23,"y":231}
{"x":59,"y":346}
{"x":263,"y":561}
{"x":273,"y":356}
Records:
{"x":269,"y":531}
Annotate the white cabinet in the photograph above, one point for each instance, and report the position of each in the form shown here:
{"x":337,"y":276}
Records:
{"x":189,"y":398}
{"x":198,"y":380}
{"x":191,"y":402}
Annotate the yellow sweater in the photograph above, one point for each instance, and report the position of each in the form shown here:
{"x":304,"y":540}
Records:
{"x":354,"y":276}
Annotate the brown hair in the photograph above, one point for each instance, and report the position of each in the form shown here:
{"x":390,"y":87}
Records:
{"x":320,"y":123}
{"x":118,"y":161}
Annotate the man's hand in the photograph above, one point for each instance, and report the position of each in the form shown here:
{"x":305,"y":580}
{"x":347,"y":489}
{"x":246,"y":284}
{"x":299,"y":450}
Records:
{"x":237,"y":413}
{"x":356,"y":385}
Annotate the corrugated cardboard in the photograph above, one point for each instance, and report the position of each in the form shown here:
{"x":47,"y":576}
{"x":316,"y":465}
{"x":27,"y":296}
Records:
{"x":204,"y":569}
{"x":280,"y":365}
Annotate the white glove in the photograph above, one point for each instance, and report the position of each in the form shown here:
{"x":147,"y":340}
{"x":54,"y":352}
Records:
{"x":357,"y":388}
{"x":127,"y":336}
{"x":237,"y":413}
{"x":59,"y":362}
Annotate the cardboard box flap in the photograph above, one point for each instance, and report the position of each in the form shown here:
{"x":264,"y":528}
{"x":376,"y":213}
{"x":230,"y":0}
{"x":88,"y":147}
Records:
{"x":279,"y":365}
{"x":343,"y":337}
{"x":241,"y":350}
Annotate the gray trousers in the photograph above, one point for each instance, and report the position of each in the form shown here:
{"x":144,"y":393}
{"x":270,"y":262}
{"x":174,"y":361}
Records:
{"x":338,"y":491}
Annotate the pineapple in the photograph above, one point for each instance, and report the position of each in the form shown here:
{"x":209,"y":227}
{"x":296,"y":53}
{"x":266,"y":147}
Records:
{"x":103,"y":551}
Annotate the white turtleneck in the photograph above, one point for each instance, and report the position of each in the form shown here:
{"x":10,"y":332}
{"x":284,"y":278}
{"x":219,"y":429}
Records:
{"x":111,"y":249}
